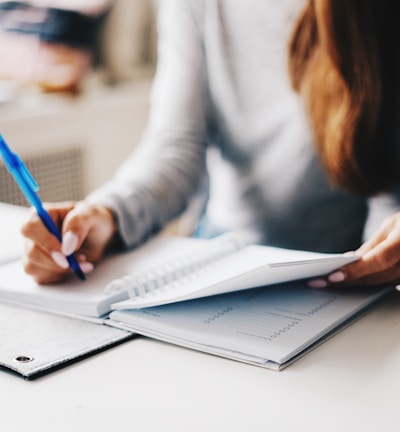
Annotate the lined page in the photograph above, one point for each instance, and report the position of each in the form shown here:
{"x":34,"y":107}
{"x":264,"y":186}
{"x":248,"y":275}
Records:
{"x":273,"y":323}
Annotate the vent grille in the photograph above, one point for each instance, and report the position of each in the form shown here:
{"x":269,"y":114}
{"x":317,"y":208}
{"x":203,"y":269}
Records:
{"x":59,"y":175}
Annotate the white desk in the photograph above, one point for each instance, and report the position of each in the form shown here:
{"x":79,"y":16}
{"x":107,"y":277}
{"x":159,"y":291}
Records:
{"x":350,"y":383}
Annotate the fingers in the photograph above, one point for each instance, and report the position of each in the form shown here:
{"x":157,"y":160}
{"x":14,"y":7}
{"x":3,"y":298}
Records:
{"x":43,"y":257}
{"x":76,"y":227}
{"x":390,"y":276}
{"x":86,"y":231}
{"x":89,"y":229}
{"x":34,"y":229}
{"x":379,"y":261}
{"x":40,"y":265}
{"x":377,"y":238}
{"x":380,"y":256}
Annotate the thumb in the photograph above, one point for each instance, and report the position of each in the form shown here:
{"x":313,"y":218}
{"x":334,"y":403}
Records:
{"x":88,"y":228}
{"x":76,"y":227}
{"x":70,"y":243}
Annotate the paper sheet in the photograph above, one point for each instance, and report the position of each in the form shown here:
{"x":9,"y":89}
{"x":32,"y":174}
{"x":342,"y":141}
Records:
{"x":273,"y":323}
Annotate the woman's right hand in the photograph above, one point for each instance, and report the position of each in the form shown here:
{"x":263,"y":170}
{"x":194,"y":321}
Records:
{"x":87,"y":230}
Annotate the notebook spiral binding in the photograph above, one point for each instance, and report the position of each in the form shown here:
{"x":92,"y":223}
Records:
{"x":172,"y":274}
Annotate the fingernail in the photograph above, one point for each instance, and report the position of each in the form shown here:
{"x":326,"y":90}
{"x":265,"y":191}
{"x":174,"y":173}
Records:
{"x":338,"y":276}
{"x":60,"y":259}
{"x":69,"y":243}
{"x":317,"y":283}
{"x":86,"y":267}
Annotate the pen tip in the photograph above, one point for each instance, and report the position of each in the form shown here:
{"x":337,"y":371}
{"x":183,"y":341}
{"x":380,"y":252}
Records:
{"x":81,"y":275}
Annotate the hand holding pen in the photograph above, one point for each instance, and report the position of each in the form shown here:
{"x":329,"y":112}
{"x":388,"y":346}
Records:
{"x":29,"y":188}
{"x":88,"y":230}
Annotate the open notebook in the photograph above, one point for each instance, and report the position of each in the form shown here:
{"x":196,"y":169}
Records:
{"x":170,"y":287}
{"x":269,"y":327}
{"x":167,"y":270}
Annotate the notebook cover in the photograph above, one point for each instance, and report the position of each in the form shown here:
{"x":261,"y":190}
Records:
{"x":34,"y":343}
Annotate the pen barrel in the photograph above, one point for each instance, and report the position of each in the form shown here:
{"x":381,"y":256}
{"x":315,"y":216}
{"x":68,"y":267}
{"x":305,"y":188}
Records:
{"x":52,"y":228}
{"x":49,"y":223}
{"x":74,"y":265}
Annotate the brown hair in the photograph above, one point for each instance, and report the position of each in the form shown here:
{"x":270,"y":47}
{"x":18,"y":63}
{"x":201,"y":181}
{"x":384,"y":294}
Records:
{"x":341,"y":64}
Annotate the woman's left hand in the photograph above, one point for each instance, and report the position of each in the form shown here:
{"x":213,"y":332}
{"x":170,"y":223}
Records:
{"x":379,"y":261}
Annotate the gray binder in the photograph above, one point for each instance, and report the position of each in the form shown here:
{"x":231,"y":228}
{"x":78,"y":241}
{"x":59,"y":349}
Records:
{"x":33,"y":343}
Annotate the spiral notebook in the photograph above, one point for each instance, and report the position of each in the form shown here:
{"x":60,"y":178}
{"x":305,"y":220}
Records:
{"x":167,"y":270}
{"x":221,"y":296}
{"x":225,"y":264}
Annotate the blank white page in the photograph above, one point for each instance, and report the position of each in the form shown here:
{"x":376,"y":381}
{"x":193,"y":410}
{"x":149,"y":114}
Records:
{"x":88,"y":298}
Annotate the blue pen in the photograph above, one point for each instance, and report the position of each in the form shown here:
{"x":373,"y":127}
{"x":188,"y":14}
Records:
{"x":29,"y":187}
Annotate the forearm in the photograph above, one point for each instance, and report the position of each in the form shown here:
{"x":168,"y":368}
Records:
{"x":155,"y":184}
{"x":151,"y":189}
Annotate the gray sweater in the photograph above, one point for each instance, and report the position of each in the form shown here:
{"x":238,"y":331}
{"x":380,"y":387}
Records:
{"x":224,"y":121}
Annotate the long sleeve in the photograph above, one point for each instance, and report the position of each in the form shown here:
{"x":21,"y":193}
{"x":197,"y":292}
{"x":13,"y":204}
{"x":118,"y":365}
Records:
{"x":155,"y":184}
{"x":222,"y":88}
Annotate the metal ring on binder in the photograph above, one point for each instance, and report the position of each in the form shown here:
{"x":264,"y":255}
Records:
{"x":24,"y":359}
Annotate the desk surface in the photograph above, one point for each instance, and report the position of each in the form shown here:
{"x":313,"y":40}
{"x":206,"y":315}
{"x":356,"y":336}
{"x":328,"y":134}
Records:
{"x":349,"y":383}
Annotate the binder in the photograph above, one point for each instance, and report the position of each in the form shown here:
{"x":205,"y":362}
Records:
{"x":34,"y":343}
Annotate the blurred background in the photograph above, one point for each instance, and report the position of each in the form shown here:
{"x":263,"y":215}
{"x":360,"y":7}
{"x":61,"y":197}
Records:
{"x":74,"y":89}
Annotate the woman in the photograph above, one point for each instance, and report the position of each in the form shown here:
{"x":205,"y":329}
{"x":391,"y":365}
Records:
{"x":289,"y":119}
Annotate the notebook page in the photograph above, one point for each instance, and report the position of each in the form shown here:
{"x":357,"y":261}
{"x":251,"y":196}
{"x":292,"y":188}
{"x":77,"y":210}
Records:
{"x":11,"y":220}
{"x":85,"y":298}
{"x":248,"y":267}
{"x":273,"y":323}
